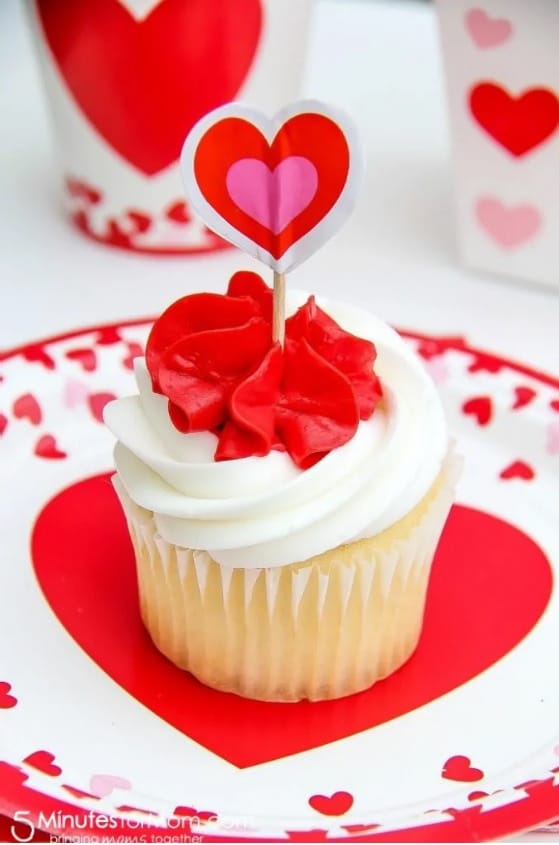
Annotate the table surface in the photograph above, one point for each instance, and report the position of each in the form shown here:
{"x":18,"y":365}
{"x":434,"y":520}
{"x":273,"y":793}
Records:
{"x":380,"y":61}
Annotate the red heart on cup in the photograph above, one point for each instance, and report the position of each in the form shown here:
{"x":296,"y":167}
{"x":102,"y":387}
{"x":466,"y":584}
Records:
{"x":146,"y":85}
{"x":519,"y":124}
{"x":460,"y":768}
{"x":332,"y":805}
{"x":277,"y":188}
{"x":489,"y":587}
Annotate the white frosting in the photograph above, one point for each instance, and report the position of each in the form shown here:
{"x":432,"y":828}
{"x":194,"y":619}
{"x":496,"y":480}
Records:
{"x":264,"y":512}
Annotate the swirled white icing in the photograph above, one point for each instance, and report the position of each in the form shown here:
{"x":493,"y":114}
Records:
{"x":263,"y":512}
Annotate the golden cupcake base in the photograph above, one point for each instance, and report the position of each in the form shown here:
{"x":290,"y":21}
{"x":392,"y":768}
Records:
{"x":324,"y":628}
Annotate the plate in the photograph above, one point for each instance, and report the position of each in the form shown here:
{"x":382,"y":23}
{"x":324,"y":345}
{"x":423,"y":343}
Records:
{"x":100,"y":735}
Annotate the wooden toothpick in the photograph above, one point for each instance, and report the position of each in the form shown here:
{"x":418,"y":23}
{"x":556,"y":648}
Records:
{"x":278,"y":330}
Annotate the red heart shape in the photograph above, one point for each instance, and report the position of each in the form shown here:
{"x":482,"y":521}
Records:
{"x":141,"y":222}
{"x":523,"y":396}
{"x":520,"y":123}
{"x":332,"y":805}
{"x":46,"y":447}
{"x":87,"y":358}
{"x":518,"y":469}
{"x":97,"y":402}
{"x":460,"y":768}
{"x":309,"y":137}
{"x":178,"y":212}
{"x":490,"y":585}
{"x":27,"y":407}
{"x":481,"y":407}
{"x":147,"y":85}
{"x":3,"y":423}
{"x":43,"y":761}
{"x":6,"y":700}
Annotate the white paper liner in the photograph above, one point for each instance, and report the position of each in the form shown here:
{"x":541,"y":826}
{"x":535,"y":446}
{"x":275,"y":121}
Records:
{"x":323,"y":628}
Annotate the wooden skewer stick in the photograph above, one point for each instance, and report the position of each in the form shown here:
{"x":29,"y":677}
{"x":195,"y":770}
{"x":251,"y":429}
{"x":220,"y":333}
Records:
{"x":278,"y":330}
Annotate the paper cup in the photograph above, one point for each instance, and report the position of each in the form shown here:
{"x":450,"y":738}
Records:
{"x":127,"y":79}
{"x":502,"y":65}
{"x":324,"y":628}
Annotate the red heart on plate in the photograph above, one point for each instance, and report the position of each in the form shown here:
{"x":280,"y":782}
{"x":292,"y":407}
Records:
{"x":520,"y":123}
{"x":460,"y":768}
{"x":481,"y":407}
{"x":27,"y":407}
{"x":43,"y":761}
{"x":267,"y":185}
{"x":518,"y":469}
{"x":147,"y":84}
{"x":6,"y":700}
{"x":332,"y":805}
{"x":490,"y":585}
{"x":523,"y":396}
{"x":87,"y":358}
{"x":97,"y":402}
{"x":46,"y":447}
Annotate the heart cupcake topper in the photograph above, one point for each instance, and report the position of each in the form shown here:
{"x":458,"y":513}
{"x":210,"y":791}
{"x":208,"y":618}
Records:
{"x":277,"y":188}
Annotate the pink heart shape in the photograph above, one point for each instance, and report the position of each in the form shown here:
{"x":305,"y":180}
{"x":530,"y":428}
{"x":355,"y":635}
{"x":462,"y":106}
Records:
{"x":272,"y":197}
{"x":486,"y":31}
{"x":553,"y":439}
{"x":103,"y":785}
{"x":509,"y":226}
{"x":74,"y":393}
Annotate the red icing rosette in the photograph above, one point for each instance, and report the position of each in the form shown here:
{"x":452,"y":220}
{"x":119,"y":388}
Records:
{"x":214,"y":359}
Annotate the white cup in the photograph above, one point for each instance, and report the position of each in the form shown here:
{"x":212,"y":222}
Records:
{"x":127,"y":79}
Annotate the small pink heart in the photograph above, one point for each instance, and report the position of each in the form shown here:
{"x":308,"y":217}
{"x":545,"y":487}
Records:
{"x":553,"y":438}
{"x":438,"y":369}
{"x":486,"y":31}
{"x":74,"y":393}
{"x":272,"y":197}
{"x":509,"y":226}
{"x":103,"y":785}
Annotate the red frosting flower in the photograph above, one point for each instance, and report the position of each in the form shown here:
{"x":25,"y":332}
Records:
{"x":213,"y":357}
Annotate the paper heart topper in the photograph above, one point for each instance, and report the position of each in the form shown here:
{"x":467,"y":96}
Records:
{"x":277,"y":188}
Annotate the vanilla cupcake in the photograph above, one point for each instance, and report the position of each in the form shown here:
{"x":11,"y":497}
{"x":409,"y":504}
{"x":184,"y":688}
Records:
{"x":284,"y":505}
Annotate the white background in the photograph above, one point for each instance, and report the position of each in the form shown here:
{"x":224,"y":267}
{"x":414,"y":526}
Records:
{"x":380,"y":61}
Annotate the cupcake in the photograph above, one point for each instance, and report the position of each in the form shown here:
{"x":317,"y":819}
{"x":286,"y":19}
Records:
{"x":284,"y":502}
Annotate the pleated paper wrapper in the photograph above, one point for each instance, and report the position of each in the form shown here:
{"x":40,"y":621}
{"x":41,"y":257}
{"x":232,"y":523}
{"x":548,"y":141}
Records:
{"x":321,"y":629}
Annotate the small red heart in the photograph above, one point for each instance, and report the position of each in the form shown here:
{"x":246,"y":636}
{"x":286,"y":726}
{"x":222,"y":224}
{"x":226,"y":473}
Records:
{"x":554,"y":404}
{"x":43,"y":761}
{"x":201,"y":815}
{"x":485,"y":363}
{"x":519,"y":124}
{"x":108,"y":336}
{"x":27,"y":407}
{"x":80,"y":190}
{"x":477,"y":794}
{"x":178,"y":212}
{"x":46,"y":447}
{"x":332,"y":805}
{"x":87,"y":358}
{"x":481,"y":407}
{"x":518,"y":469}
{"x":523,"y":397}
{"x":37,"y":354}
{"x":135,"y":350}
{"x":141,"y":221}
{"x":97,"y":402}
{"x":460,"y":768}
{"x":3,"y":423}
{"x":6,"y":700}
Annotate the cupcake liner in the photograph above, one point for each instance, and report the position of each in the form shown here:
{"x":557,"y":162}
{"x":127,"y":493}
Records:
{"x":324,"y":628}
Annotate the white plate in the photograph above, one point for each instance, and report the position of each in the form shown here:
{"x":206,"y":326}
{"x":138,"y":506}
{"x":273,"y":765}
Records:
{"x":461,"y":744}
